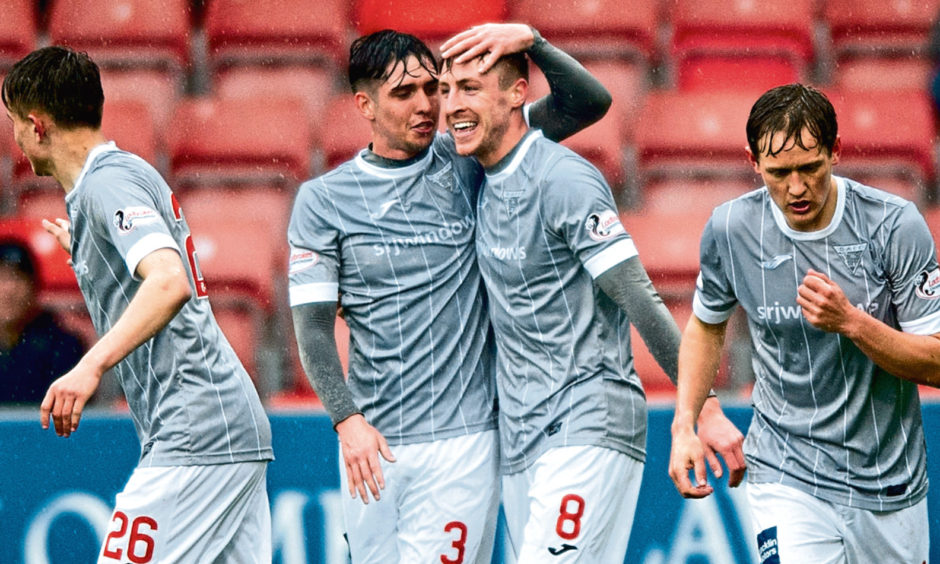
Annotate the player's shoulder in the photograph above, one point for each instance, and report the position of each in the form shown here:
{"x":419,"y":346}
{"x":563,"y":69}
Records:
{"x":342,"y":173}
{"x":741,"y":209}
{"x":865,"y":196}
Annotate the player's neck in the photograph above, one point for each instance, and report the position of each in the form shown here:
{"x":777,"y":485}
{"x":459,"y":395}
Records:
{"x":70,"y":153}
{"x":513,"y":135}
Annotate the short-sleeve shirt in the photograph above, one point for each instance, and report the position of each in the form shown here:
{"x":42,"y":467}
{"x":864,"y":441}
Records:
{"x":395,"y":245}
{"x":547,"y":227}
{"x":827,"y":420}
{"x":189,"y":396}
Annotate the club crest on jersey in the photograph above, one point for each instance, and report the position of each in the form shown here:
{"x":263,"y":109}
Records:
{"x":301,"y":259}
{"x":444,"y":177}
{"x":851,"y":255}
{"x":928,"y":285}
{"x":604,"y":225}
{"x":128,"y":218}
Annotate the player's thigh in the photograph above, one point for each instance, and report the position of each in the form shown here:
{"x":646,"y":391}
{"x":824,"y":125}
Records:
{"x":185,"y":513}
{"x":793,"y":527}
{"x":902,"y":535}
{"x":251,"y":542}
{"x":449,"y":510}
{"x":581,"y":506}
{"x":372,"y":529}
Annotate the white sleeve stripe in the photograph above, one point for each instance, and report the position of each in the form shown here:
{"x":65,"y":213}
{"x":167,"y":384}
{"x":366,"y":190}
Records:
{"x":311,"y":293}
{"x":707,"y":315}
{"x":924,"y":326}
{"x":146,"y":245}
{"x":610,"y":257}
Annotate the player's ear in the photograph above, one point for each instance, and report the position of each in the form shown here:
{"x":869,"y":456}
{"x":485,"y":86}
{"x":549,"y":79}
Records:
{"x":365,"y":104}
{"x":39,"y":125}
{"x":752,"y":159}
{"x":836,"y":150}
{"x":518,"y":92}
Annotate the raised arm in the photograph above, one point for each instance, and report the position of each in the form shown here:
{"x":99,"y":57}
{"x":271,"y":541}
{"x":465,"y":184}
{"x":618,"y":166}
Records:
{"x":161,"y":295}
{"x":576,"y":100}
{"x":361,"y":442}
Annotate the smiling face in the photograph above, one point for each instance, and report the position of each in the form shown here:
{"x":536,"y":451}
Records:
{"x":799,"y":179}
{"x":403,"y":109}
{"x":479,"y":110}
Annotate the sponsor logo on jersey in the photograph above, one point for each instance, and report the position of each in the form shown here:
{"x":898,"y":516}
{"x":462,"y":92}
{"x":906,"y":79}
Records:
{"x":775,"y":262}
{"x":565,"y":547}
{"x":767,"y":550}
{"x":604,"y":225}
{"x":446,"y":232}
{"x":506,"y":253}
{"x":851,"y":255}
{"x":301,"y":259}
{"x":777,"y":313}
{"x":511,"y":200}
{"x":928,"y":285}
{"x":80,"y":268}
{"x":127,"y":219}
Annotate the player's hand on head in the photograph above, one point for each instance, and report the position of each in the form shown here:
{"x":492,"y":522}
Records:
{"x":720,"y":437}
{"x":66,"y":398}
{"x":687,"y":454}
{"x":60,"y":229}
{"x":361,"y":445}
{"x":492,"y":41}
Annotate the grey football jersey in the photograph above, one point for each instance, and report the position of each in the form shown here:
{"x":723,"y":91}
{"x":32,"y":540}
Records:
{"x":826,"y":419}
{"x":547,"y":226}
{"x":189,"y":396}
{"x":396,"y":245}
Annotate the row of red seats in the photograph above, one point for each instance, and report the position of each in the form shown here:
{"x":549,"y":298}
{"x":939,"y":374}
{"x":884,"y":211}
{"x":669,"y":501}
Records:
{"x":242,"y":27}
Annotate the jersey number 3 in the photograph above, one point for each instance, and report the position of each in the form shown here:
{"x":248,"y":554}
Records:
{"x":201,"y":290}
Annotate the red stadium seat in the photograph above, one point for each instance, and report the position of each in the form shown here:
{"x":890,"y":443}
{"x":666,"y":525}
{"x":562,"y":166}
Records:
{"x":628,"y":84}
{"x":886,"y":132}
{"x":262,"y":139}
{"x":668,"y":246}
{"x":137,"y":33}
{"x":430,"y":21}
{"x":883,"y":73}
{"x":313,"y":85}
{"x":130,"y":125}
{"x":734,"y":72}
{"x":601,"y":143}
{"x":774,"y":34}
{"x":866,"y":27}
{"x":295,"y":31}
{"x":249,"y":204}
{"x":675,"y":196}
{"x":243,"y":260}
{"x":242,"y":327}
{"x":41,"y":204}
{"x":596,"y":28}
{"x":17,"y":31}
{"x":345,"y":131}
{"x":153,"y":88}
{"x":682,"y":133}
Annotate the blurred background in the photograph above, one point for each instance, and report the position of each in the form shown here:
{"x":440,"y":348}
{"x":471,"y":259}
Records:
{"x":236,"y":102}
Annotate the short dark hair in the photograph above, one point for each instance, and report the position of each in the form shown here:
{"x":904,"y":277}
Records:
{"x":371,"y":57}
{"x":57,"y":80}
{"x":17,"y":255}
{"x":790,"y":109}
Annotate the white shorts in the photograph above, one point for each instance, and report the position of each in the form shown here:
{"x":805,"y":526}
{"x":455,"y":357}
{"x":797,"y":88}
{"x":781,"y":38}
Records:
{"x":440,"y":504}
{"x":574,"y":504}
{"x":213,"y":513}
{"x":793,"y":526}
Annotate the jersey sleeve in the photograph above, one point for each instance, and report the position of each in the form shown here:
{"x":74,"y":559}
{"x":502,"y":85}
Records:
{"x":313,"y":265}
{"x":579,"y":208}
{"x":714,"y":298}
{"x":911,"y":259}
{"x":127,"y":213}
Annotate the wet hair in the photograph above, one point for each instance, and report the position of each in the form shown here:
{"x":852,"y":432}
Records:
{"x":373,"y":57}
{"x":510,"y":67}
{"x":59,"y":81}
{"x":790,"y":109}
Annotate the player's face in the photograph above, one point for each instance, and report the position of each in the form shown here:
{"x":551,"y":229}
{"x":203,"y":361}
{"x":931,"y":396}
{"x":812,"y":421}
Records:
{"x":16,"y":295}
{"x":404,"y":111}
{"x":24,"y":133}
{"x":800,"y":180}
{"x":477,"y":111}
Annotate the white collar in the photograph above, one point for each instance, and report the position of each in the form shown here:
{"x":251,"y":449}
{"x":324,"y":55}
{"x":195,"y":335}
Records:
{"x":813,"y":235}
